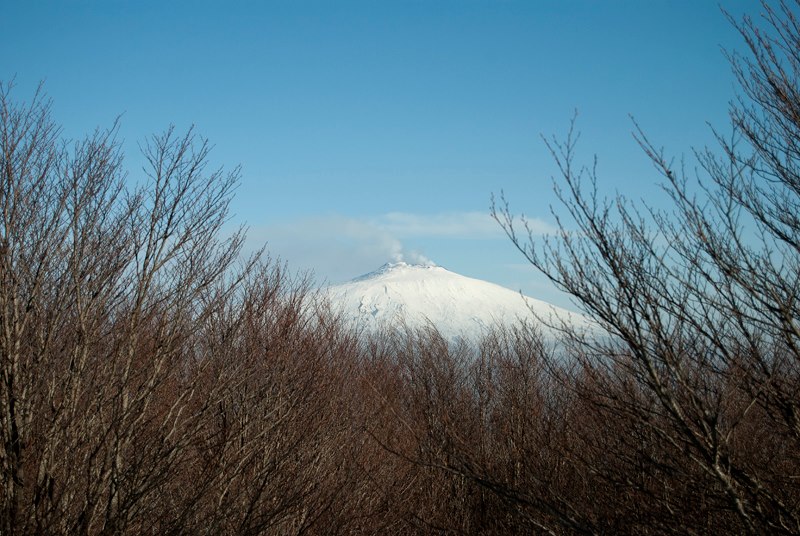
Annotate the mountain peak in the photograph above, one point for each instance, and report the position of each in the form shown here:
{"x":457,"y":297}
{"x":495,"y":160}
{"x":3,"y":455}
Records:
{"x":415,"y":295}
{"x":395,"y":268}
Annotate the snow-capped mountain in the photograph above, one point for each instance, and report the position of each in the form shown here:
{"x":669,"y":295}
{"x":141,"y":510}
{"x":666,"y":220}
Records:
{"x":417,"y":294}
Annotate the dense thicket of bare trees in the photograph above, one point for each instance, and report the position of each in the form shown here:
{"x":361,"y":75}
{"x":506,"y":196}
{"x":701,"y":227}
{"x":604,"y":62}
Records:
{"x":154,"y":381}
{"x":151,"y":381}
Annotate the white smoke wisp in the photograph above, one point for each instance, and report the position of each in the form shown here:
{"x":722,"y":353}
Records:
{"x":395,"y":249}
{"x":335,"y":247}
{"x":415,"y":257}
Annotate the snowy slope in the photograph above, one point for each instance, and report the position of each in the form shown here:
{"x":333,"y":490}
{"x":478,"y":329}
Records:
{"x":455,"y":304}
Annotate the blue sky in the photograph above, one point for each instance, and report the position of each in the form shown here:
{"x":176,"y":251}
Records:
{"x":367,"y":130}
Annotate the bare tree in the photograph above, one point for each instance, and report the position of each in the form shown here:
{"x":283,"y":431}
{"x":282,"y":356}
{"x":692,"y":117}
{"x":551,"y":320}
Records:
{"x":700,"y":303}
{"x":100,"y":289}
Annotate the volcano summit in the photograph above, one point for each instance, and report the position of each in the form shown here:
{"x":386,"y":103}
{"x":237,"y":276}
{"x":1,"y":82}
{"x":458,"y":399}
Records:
{"x":417,"y":294}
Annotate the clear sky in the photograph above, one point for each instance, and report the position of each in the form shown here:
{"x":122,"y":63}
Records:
{"x":368,"y":130}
